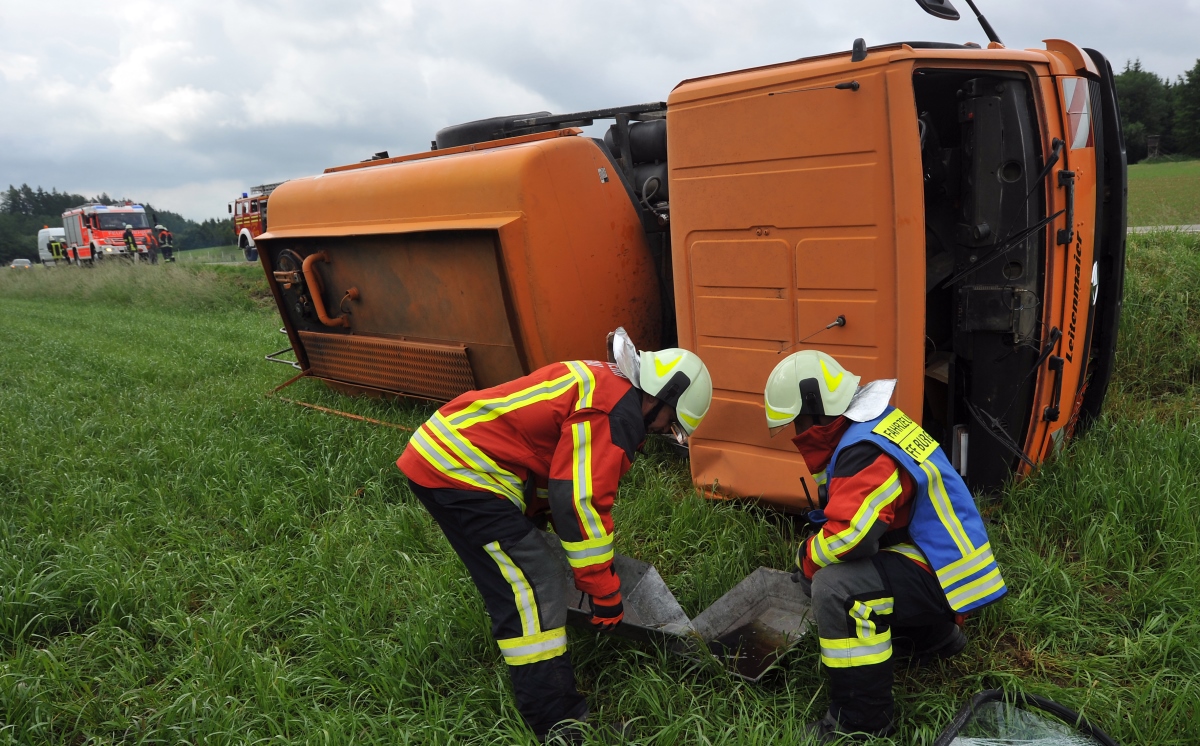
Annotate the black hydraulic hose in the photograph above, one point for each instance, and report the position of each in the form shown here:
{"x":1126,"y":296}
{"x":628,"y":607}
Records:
{"x":987,"y":27}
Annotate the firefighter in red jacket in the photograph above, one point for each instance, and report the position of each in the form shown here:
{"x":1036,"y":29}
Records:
{"x":557,"y":441}
{"x":901,"y":551}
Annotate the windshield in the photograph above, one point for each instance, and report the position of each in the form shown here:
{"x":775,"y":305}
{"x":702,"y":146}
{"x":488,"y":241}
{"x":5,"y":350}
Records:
{"x":115,"y":221}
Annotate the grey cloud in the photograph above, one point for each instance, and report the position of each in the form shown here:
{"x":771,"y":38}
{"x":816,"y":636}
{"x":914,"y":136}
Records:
{"x":187,"y":100}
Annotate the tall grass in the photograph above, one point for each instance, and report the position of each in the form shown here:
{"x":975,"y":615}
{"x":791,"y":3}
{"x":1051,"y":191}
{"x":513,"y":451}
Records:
{"x":142,"y":286}
{"x":183,"y":560}
{"x":1158,"y":368}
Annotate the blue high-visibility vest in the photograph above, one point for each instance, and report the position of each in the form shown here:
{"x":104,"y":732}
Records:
{"x":945,"y":524}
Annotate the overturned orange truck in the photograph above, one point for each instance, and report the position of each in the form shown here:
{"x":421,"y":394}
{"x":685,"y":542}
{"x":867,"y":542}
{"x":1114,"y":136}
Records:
{"x":948,"y":215}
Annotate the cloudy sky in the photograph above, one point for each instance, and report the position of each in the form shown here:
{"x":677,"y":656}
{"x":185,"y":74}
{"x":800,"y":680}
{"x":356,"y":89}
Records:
{"x":186,"y":103}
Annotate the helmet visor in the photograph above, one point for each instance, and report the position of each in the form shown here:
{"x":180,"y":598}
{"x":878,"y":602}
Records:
{"x":678,"y":434}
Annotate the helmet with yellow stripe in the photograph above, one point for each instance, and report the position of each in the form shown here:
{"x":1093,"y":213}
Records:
{"x":679,"y":379}
{"x":808,"y":382}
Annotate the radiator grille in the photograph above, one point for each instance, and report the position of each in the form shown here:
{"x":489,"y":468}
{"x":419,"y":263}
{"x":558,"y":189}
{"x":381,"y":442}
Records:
{"x":436,"y":371}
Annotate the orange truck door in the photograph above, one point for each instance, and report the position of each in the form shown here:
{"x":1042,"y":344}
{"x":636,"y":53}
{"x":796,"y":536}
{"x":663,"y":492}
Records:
{"x":1072,"y":268}
{"x":796,"y":199}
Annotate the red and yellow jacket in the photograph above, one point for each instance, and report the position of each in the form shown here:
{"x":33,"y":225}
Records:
{"x":559,"y":439}
{"x":861,"y":519}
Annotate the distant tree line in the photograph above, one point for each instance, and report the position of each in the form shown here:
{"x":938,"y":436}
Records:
{"x":1151,"y":105}
{"x":25,"y":210}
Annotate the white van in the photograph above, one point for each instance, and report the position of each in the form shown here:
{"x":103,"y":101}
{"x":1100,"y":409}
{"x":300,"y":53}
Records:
{"x":45,"y":235}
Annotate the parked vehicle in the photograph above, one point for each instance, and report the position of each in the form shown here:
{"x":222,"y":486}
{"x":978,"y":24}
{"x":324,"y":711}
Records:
{"x":250,"y":218}
{"x":44,"y":237}
{"x":21,"y":264}
{"x":95,"y":232}
{"x":948,"y":215}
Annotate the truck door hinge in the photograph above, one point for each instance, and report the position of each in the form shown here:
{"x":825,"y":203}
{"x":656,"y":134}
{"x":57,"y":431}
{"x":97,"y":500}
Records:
{"x":1066,"y":179}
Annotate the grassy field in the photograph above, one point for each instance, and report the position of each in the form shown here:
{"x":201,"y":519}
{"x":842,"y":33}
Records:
{"x":183,"y":560}
{"x":211,"y":254}
{"x":1164,"y":193}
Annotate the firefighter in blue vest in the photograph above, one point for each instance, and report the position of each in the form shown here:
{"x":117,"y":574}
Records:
{"x":901,"y":553}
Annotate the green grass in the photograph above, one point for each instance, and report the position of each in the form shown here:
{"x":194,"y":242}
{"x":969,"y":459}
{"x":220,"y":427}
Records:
{"x":1164,"y":193}
{"x":211,"y":254}
{"x":183,"y":560}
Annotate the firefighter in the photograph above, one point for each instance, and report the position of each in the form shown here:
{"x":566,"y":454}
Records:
{"x":491,"y":463}
{"x":902,"y":551}
{"x":130,"y":241}
{"x":166,"y":242}
{"x":152,"y":247}
{"x":56,"y":249}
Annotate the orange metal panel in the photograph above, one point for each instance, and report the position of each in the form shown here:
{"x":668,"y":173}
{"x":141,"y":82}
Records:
{"x":783,"y":220}
{"x":571,"y":269}
{"x":429,"y":370}
{"x":1068,"y":281}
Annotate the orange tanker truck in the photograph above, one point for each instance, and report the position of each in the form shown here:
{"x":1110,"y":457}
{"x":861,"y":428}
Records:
{"x":952,"y":216}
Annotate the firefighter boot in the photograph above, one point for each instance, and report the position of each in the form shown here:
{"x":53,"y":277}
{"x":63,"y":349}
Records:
{"x":828,"y":730}
{"x":924,"y":645}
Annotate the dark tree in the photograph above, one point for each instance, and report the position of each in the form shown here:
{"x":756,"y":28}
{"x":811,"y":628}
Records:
{"x":1146,"y":108}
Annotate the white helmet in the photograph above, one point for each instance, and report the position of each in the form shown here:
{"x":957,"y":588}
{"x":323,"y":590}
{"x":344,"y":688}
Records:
{"x":679,"y":379}
{"x":808,"y":382}
{"x":675,"y":377}
{"x":127,"y":225}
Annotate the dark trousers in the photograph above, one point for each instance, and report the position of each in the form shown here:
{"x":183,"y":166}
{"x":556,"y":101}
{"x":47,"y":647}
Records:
{"x":525,"y":592}
{"x":859,"y":606}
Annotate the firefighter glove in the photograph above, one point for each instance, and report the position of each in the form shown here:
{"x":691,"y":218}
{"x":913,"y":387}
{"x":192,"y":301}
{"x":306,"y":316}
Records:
{"x":607,"y":611}
{"x":805,"y":583}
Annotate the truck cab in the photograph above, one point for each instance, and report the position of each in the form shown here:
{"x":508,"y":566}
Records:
{"x":95,"y":232}
{"x":249,"y":215}
{"x":949,"y":216}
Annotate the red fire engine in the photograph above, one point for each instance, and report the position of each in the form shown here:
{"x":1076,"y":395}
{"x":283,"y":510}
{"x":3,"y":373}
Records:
{"x":98,"y":231}
{"x":250,"y":218}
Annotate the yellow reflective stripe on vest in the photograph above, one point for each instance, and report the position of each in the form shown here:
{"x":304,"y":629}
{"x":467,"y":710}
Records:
{"x":581,"y":480}
{"x":434,"y":454}
{"x":945,"y":509}
{"x":587,"y":384}
{"x":589,"y":551}
{"x":975,"y":590}
{"x":478,"y":461}
{"x":967,"y":566}
{"x":522,"y":590}
{"x":821,"y":478}
{"x":484,"y":410}
{"x":519,"y":651}
{"x":853,"y":652}
{"x":864,"y":518}
{"x":909,"y":550}
{"x":901,"y":430}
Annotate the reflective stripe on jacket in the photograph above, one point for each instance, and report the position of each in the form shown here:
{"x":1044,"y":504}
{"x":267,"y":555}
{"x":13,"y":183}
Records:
{"x":945,"y":523}
{"x":560,"y":438}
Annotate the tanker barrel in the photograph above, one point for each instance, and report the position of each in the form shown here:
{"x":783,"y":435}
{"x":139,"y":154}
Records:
{"x":484,"y":130}
{"x":647,"y":140}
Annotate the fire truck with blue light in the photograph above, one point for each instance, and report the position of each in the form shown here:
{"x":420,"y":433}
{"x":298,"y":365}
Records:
{"x":95,"y":232}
